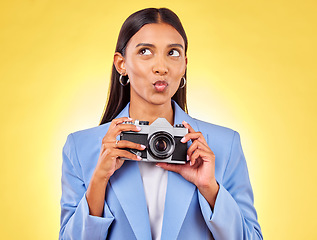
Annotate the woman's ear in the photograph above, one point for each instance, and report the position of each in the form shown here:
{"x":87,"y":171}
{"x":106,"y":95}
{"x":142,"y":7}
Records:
{"x":118,"y":61}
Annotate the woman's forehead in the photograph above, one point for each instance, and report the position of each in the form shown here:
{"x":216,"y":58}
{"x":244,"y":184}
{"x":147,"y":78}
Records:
{"x":157,"y":34}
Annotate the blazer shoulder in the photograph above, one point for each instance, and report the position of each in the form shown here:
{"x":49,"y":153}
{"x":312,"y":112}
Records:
{"x":214,"y":129}
{"x":87,"y":138}
{"x":92,"y":132}
{"x":82,"y":149}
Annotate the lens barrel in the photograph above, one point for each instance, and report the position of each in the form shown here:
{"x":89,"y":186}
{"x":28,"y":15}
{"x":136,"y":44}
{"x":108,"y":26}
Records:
{"x":161,"y":145}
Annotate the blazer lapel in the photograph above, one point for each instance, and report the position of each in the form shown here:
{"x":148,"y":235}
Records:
{"x":179,"y":192}
{"x":128,"y":187}
{"x":127,"y":184}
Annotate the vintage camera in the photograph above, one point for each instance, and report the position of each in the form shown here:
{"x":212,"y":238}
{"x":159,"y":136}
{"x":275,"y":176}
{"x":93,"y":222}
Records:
{"x":161,"y":139}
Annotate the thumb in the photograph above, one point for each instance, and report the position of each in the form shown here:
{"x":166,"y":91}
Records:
{"x":170,"y":167}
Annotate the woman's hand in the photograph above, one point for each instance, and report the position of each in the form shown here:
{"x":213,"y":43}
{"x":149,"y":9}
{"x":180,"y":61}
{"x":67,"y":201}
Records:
{"x":109,"y":161}
{"x":200,"y":170}
{"x":110,"y":153}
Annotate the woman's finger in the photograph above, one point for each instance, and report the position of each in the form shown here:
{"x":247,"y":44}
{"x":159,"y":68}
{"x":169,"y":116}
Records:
{"x":125,"y":127}
{"x":127,"y":154}
{"x":193,"y":158}
{"x":197,"y":145}
{"x":194,"y":136}
{"x":117,"y":121}
{"x":197,"y":163}
{"x":171,"y":167}
{"x":187,"y":125}
{"x":128,"y":144}
{"x":115,"y":154}
{"x":114,"y":132}
{"x":199,"y":153}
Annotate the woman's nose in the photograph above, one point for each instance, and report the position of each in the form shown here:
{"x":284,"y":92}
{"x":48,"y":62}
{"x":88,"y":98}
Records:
{"x":160,"y":66}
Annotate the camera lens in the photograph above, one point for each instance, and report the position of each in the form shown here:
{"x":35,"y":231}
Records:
{"x":161,"y":145}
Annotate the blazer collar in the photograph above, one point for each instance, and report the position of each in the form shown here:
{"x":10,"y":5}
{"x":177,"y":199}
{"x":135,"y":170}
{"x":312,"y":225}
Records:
{"x":128,"y":187}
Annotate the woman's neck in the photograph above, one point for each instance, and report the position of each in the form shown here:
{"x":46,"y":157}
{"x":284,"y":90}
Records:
{"x":150,"y":112}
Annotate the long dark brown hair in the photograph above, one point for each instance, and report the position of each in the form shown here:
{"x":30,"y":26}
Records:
{"x":118,"y":95}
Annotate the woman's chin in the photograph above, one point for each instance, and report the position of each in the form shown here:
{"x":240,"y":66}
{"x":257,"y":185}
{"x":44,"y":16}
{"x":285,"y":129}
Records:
{"x":152,"y":98}
{"x":159,"y":99}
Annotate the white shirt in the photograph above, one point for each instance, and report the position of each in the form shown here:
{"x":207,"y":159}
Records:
{"x":155,"y":183}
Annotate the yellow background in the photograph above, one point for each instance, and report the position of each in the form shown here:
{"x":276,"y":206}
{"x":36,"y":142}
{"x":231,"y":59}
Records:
{"x":252,"y":67}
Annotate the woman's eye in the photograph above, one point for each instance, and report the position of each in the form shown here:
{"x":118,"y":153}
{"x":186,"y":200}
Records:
{"x":174,"y":53}
{"x":145,"y":52}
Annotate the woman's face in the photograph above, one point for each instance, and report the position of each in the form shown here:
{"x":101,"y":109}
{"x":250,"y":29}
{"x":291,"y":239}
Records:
{"x":155,"y":62}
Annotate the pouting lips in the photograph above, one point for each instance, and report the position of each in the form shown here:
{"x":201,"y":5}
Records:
{"x":160,"y":86}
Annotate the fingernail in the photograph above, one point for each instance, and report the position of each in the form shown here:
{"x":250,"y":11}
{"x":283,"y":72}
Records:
{"x":188,"y":158}
{"x":190,"y":164}
{"x":130,"y":118}
{"x":142,"y":146}
{"x":138,"y":157}
{"x":183,"y":139}
{"x":138,"y":128}
{"x":185,"y":122}
{"x":156,"y":165}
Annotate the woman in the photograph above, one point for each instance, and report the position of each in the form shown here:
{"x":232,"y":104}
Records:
{"x":105,"y":197}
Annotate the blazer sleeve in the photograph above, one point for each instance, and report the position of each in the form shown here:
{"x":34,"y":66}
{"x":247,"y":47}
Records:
{"x":76,"y":223}
{"x":233,"y":216}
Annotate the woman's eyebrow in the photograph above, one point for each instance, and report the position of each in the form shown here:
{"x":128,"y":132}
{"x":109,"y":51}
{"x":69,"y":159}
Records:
{"x":145,"y":45}
{"x":152,"y":46}
{"x":176,"y":45}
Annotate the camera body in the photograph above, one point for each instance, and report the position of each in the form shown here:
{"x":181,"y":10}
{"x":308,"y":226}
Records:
{"x":161,"y":139}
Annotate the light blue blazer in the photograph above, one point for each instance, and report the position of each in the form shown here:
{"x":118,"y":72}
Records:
{"x":187,"y":215}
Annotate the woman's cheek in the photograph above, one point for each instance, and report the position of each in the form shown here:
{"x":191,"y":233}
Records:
{"x":180,"y":65}
{"x":140,"y":70}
